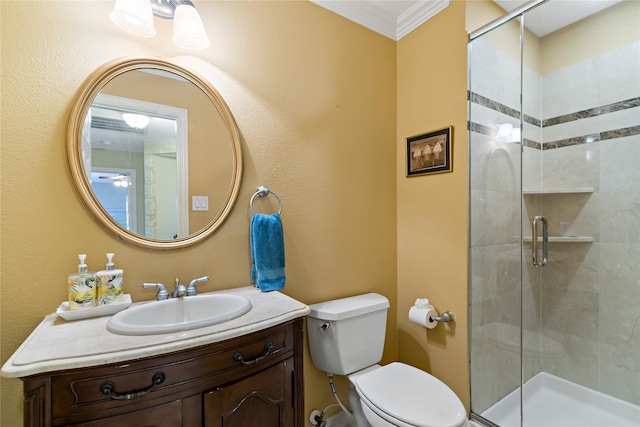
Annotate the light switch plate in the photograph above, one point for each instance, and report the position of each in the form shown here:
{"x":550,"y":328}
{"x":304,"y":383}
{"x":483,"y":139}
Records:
{"x":200,"y":203}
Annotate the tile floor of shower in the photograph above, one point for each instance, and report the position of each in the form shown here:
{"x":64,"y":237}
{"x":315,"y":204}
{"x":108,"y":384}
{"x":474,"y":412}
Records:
{"x":550,"y":401}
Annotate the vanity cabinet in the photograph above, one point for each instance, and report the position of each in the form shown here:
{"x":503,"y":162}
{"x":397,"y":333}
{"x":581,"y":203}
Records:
{"x":252,"y":380}
{"x":264,"y":399}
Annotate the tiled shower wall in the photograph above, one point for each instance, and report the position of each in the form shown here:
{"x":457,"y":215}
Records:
{"x":581,"y":312}
{"x":590,"y":292}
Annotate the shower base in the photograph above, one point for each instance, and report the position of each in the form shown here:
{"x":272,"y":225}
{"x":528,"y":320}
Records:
{"x":550,"y":401}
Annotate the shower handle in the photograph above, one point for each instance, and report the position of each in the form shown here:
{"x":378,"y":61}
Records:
{"x":534,"y":240}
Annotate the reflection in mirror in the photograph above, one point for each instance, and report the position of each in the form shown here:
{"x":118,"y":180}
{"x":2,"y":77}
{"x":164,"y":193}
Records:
{"x":154,"y":152}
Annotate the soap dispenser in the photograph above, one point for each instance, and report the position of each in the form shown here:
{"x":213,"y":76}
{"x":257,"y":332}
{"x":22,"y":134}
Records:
{"x":82,"y":287}
{"x":110,"y":283}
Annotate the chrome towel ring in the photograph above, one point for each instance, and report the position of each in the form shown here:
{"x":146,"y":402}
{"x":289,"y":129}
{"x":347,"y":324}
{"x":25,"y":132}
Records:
{"x":263,"y":191}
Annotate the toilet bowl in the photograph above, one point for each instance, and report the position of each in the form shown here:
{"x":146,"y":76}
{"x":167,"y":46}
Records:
{"x":346,"y":337}
{"x":401,"y":395}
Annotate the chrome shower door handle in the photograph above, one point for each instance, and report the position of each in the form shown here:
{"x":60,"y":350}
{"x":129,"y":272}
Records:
{"x":534,"y":240}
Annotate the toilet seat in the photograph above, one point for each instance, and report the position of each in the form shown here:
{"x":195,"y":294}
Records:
{"x":407,"y":396}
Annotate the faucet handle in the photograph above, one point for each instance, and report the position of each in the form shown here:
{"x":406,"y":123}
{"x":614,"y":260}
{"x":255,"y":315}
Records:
{"x":162,"y":291}
{"x":191,"y":289}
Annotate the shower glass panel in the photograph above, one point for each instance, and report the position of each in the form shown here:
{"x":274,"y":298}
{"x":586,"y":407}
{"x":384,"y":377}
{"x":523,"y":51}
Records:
{"x":554,"y":134}
{"x":496,"y":210}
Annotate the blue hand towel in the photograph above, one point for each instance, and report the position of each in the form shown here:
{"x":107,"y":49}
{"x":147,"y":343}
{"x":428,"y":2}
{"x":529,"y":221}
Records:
{"x":267,"y":252}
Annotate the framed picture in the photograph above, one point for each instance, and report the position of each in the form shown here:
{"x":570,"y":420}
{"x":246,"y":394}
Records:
{"x":429,"y":153}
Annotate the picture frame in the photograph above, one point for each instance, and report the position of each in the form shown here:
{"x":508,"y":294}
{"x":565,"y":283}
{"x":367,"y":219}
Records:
{"x":430,"y":153}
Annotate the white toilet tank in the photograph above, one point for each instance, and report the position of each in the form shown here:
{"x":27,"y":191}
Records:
{"x":347,"y":334}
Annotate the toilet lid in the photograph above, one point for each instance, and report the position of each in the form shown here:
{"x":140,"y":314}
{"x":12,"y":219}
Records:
{"x":411,"y":396}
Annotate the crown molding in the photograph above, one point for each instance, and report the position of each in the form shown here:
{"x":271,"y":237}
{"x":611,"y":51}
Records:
{"x":417,"y":15}
{"x":377,"y":19}
{"x":363,"y":13}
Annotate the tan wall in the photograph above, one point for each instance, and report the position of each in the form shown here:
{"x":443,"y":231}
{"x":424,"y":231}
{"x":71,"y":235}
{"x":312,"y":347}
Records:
{"x":433,"y":210}
{"x":314,"y":96}
{"x":507,"y":37}
{"x":584,"y":40}
{"x":480,"y":12}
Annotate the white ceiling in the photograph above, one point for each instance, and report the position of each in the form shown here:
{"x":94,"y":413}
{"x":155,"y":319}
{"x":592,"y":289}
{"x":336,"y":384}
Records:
{"x":397,"y":18}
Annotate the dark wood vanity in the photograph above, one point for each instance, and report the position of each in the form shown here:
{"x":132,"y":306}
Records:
{"x":251,"y":380}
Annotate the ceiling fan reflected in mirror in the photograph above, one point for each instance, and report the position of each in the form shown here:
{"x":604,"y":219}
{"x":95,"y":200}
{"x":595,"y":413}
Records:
{"x":119,"y":180}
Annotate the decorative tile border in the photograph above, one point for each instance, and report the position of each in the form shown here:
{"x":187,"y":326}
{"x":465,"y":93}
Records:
{"x":500,"y":108}
{"x":592,"y":112}
{"x":489,"y":131}
{"x":566,"y":118}
{"x":595,"y":137}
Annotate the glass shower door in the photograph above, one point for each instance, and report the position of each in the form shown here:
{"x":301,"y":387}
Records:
{"x":495,"y":175}
{"x":554,"y":134}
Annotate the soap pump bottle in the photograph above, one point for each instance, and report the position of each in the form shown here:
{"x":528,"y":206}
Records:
{"x":82,"y":287}
{"x":110,"y":283}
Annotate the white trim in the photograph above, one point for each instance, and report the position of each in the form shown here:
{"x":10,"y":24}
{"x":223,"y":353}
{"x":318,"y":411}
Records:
{"x":418,"y":14}
{"x":363,"y":13}
{"x":377,"y":19}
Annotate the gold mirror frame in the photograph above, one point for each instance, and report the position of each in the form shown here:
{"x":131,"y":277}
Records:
{"x":90,"y":88}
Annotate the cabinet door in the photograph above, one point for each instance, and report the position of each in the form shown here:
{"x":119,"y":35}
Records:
{"x":261,"y":400}
{"x":167,"y":415}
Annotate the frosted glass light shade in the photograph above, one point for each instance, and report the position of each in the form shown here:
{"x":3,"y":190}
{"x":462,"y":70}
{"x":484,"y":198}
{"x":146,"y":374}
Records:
{"x":188,"y":30}
{"x":137,"y":121}
{"x":134,"y":16}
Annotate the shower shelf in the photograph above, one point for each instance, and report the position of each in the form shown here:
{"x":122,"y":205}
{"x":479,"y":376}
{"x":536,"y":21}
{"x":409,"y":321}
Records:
{"x":566,"y":191}
{"x":561,"y":239}
{"x":564,"y":239}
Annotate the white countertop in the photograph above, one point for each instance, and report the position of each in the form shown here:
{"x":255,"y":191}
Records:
{"x":56,"y":344}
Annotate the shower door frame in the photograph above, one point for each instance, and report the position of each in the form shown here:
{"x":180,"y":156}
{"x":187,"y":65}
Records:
{"x":613,"y":239}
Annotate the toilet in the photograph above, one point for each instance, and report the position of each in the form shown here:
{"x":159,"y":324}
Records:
{"x":346,"y":337}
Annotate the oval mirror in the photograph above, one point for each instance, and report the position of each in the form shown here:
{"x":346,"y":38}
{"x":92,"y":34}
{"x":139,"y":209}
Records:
{"x":154,"y":153}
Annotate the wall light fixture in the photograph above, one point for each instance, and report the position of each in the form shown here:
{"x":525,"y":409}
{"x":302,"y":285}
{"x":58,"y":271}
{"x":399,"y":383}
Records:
{"x":506,"y":132}
{"x":136,"y":17}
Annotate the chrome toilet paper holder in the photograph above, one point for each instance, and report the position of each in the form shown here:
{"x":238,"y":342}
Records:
{"x":446,"y":317}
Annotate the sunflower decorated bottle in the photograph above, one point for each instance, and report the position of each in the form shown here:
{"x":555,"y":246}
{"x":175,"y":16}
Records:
{"x":82,"y":287}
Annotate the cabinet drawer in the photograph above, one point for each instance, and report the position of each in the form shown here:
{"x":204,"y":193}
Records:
{"x":166,"y":415}
{"x":84,"y":394}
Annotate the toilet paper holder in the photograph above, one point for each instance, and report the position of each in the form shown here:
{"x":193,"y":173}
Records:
{"x":433,"y":316}
{"x":446,"y":317}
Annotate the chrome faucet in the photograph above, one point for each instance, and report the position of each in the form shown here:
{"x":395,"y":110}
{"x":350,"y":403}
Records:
{"x":191,"y":290}
{"x":162,"y":291}
{"x":180,"y":291}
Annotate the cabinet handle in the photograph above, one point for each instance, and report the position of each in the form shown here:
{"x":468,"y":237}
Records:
{"x":534,"y":241}
{"x":237,"y":356}
{"x":108,"y":388}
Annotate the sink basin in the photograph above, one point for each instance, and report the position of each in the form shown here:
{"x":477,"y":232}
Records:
{"x":178,"y":314}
